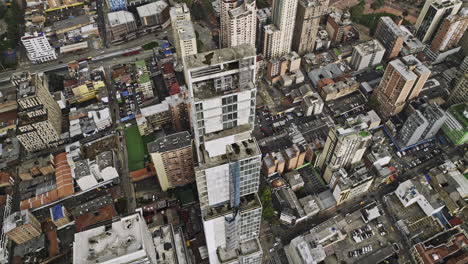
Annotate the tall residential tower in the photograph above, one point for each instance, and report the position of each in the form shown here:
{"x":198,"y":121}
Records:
{"x":39,"y":115}
{"x":402,"y":81}
{"x":308,"y":17}
{"x":432,"y":15}
{"x":238,"y":22}
{"x":221,"y":85}
{"x":279,"y":34}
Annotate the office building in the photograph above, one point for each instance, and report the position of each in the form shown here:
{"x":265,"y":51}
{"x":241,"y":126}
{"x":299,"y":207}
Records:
{"x":450,"y":32}
{"x":456,"y":125}
{"x":459,"y":94}
{"x":402,"y":81}
{"x":39,"y":115}
{"x":279,"y":34}
{"x":238,"y":22}
{"x":432,"y":15}
{"x":21,"y":226}
{"x":367,"y":54}
{"x":390,"y":36}
{"x":38,"y":48}
{"x":116,"y":5}
{"x":344,"y":146}
{"x":172,"y":158}
{"x":126,"y":240}
{"x":263,"y":19}
{"x":307,"y":24}
{"x":182,"y":29}
{"x":418,"y":191}
{"x":222,"y":92}
{"x":154,"y":14}
{"x":122,"y":25}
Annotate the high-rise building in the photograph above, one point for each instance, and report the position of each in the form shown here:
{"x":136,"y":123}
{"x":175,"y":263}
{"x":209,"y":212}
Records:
{"x":238,"y":22}
{"x":126,"y":240}
{"x":340,"y":27}
{"x":391,"y":36}
{"x":279,"y":34}
{"x":263,"y":19}
{"x":116,"y":5}
{"x":432,"y":15}
{"x":38,"y":48}
{"x":450,"y":32}
{"x":402,"y":81}
{"x":39,"y":115}
{"x":423,"y":123}
{"x":456,"y":125}
{"x":459,"y":94}
{"x":222,"y":91}
{"x":344,"y":146}
{"x":21,"y":226}
{"x":307,"y":24}
{"x":367,"y":54}
{"x":172,"y":158}
{"x":182,"y":29}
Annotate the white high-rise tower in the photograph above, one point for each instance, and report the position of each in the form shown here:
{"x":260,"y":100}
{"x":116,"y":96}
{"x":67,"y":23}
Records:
{"x":222,"y":91}
{"x":238,"y":22}
{"x":279,"y":35}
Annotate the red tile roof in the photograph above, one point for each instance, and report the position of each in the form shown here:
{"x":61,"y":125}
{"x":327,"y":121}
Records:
{"x":64,"y":181}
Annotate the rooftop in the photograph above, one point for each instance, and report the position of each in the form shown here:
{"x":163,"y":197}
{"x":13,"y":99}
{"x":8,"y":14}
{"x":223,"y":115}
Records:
{"x":125,"y":237}
{"x":392,"y":25}
{"x":247,"y":202}
{"x":234,"y":152}
{"x":71,"y":22}
{"x":120,"y":17}
{"x":410,"y":67}
{"x":460,"y":112}
{"x":245,"y":248}
{"x":369,"y":47}
{"x":185,"y":29}
{"x":171,"y":142}
{"x":219,"y":56}
{"x":151,"y":8}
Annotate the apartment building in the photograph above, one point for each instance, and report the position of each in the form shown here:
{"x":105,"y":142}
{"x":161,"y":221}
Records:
{"x":431,"y":16}
{"x":402,"y":81}
{"x":279,"y":34}
{"x":238,"y":22}
{"x":182,"y":29}
{"x":307,"y":24}
{"x":39,"y":115}
{"x":172,"y":158}
{"x":367,"y":54}
{"x":222,"y":92}
{"x":344,"y":146}
{"x":389,"y":34}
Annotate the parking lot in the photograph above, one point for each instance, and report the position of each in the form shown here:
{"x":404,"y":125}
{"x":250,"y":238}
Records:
{"x":366,"y":242}
{"x":417,"y":155}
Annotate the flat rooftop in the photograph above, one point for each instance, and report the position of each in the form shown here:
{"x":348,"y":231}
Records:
{"x":171,"y":142}
{"x":236,"y":151}
{"x":245,"y":249}
{"x":106,"y":243}
{"x":219,"y":56}
{"x":247,"y":202}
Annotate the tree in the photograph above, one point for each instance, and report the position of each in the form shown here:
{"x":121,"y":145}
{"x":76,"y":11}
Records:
{"x":405,"y":13}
